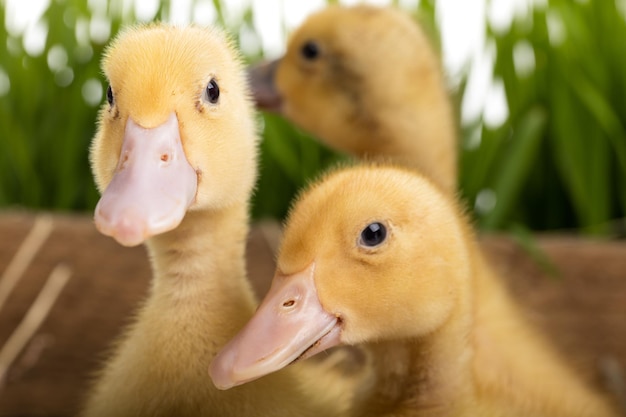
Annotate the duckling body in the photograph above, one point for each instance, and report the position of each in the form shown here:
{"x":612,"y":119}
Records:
{"x":175,"y":159}
{"x":394,"y":266}
{"x":366,"y":81}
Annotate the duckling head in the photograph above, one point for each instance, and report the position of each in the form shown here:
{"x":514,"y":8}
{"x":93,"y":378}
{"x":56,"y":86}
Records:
{"x":351,"y":72}
{"x":369,"y":254}
{"x":177,"y":131}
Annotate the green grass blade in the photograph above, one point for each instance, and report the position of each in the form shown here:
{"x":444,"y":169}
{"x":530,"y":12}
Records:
{"x":516,"y":165}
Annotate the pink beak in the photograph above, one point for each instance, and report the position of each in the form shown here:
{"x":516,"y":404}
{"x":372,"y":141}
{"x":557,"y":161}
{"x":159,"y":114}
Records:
{"x":152,"y":188}
{"x":262,"y":82}
{"x":289,"y":325}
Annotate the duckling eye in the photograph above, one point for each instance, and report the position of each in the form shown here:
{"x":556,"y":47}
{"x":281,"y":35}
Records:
{"x":310,"y":50}
{"x":212,"y":92}
{"x":373,"y":235}
{"x":110,"y":95}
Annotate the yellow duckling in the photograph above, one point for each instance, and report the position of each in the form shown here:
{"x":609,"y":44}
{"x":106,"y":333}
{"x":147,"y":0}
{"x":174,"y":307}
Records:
{"x":366,"y":81}
{"x":175,"y":159}
{"x":393,"y":265}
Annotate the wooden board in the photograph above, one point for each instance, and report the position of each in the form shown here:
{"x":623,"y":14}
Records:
{"x":583,"y":310}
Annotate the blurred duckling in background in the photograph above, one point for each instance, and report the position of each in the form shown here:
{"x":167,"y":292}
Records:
{"x":175,"y":159}
{"x":393,"y":265}
{"x":366,"y":81}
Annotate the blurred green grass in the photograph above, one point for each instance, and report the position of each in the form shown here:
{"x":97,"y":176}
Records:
{"x":557,"y":162}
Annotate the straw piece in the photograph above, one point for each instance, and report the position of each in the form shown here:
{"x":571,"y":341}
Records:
{"x":40,"y":231}
{"x":35,"y":315}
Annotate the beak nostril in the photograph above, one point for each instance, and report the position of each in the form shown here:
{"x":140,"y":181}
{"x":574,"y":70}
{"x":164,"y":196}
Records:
{"x":123,"y":162}
{"x":289,"y":303}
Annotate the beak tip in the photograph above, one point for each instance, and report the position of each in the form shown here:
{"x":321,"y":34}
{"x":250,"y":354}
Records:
{"x":222,"y":387}
{"x":220,"y":377}
{"x":126,"y":233}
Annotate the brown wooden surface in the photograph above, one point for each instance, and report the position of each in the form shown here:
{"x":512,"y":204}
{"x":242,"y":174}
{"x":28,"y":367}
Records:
{"x":583,"y":309}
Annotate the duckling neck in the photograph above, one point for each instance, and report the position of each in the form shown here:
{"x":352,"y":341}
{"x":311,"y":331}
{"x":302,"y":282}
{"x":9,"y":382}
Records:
{"x":429,"y":374}
{"x":199,"y":280}
{"x":428,"y":134}
{"x":204,"y":255}
{"x":199,"y":299}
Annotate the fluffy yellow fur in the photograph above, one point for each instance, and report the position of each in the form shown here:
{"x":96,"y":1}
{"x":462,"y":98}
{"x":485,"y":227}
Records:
{"x":199,"y":296}
{"x":375,"y":89}
{"x":444,"y":337}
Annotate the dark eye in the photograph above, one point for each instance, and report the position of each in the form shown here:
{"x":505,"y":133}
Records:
{"x":110,"y":95}
{"x":373,"y":235}
{"x":310,"y":50}
{"x":212,"y":92}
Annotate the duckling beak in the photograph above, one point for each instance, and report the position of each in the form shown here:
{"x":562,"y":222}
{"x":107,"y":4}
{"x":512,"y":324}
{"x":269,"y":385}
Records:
{"x":289,"y":325}
{"x":262,"y":78}
{"x":152,"y":187}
